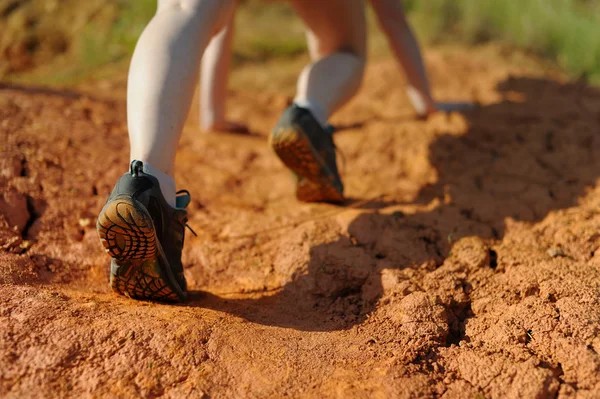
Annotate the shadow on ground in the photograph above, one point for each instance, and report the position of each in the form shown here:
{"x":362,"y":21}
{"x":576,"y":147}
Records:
{"x":522,"y":158}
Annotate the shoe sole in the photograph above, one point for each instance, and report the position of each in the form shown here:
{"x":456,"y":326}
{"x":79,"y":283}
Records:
{"x":139,"y":268}
{"x":316,"y":182}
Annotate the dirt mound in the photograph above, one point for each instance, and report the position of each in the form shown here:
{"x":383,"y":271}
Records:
{"x":464,"y":263}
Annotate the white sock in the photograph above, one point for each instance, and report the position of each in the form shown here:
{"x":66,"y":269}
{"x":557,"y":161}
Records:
{"x":315,"y":108}
{"x":167,"y":183}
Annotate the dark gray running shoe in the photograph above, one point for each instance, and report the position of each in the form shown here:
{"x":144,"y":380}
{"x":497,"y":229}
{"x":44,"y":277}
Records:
{"x":144,"y":236}
{"x":309,"y":151}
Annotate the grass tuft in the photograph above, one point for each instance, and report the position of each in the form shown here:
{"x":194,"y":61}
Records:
{"x":566,"y":31}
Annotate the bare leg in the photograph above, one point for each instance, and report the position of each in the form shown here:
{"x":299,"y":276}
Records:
{"x":163,"y":75}
{"x":214,"y":76}
{"x":337,"y":43}
{"x":404,"y":44}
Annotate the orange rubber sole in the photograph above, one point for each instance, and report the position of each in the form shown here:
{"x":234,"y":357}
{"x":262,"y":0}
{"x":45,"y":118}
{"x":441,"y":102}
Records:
{"x":128,"y":235}
{"x":316,"y":183}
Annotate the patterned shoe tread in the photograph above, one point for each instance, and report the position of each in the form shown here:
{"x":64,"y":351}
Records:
{"x":316,"y":183}
{"x":140,"y":280}
{"x":308,"y":191}
{"x":127,"y":233}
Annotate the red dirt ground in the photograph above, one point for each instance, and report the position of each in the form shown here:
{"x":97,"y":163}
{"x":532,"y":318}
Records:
{"x":465,"y":263}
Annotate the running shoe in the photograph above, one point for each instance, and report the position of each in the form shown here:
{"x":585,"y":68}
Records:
{"x":144,"y":237}
{"x":308,"y":150}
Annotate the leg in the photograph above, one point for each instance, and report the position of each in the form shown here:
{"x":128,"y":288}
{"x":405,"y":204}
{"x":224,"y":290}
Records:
{"x":337,"y":40}
{"x":142,"y":225}
{"x":214,"y":74}
{"x":404,"y":44}
{"x":163,"y":75}
{"x":213,"y":82}
{"x":337,"y":43}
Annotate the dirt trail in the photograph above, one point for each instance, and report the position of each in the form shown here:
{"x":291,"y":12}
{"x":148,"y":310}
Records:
{"x":464,"y":264}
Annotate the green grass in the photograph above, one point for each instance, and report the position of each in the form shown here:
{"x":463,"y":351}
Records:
{"x":101,"y":43}
{"x":96,"y":34}
{"x":565,"y":31}
{"x":105,"y":44}
{"x":267,"y":31}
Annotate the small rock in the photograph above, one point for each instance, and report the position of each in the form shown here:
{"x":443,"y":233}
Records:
{"x":12,"y":242}
{"x":555,"y":252}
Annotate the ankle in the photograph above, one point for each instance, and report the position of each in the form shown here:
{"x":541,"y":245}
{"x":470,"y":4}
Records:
{"x":315,"y":108}
{"x":166,"y":182}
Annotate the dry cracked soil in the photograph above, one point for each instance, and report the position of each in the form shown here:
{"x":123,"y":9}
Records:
{"x":464,"y":264}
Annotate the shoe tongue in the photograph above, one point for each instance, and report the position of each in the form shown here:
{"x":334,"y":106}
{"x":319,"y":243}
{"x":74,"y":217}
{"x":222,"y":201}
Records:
{"x":182,"y":200}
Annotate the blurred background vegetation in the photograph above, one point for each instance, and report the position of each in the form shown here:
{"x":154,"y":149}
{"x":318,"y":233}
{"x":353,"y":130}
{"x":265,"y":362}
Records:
{"x":67,"y":41}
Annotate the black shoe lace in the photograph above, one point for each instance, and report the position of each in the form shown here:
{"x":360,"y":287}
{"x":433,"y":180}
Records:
{"x":185,"y":220}
{"x":330,"y":129}
{"x":188,"y":227}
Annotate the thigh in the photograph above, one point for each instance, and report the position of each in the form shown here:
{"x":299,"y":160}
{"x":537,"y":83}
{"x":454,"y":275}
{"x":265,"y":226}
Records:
{"x":333,"y":26}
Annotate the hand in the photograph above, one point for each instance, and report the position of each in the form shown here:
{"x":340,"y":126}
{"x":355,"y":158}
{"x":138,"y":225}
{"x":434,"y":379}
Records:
{"x":425,"y":106}
{"x":447,"y":107}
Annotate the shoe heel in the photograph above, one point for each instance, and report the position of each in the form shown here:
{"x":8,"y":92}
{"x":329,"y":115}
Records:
{"x":126,"y":230}
{"x":142,"y":280}
{"x":127,"y":233}
{"x":296,"y":152}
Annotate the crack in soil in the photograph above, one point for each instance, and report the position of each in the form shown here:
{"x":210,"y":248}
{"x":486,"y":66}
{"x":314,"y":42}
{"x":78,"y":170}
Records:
{"x":461,"y":312}
{"x":33,"y":216}
{"x":24,"y":172}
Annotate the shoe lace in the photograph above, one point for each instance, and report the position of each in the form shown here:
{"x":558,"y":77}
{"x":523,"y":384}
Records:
{"x":188,"y":227}
{"x":185,"y":219}
{"x":330,"y":129}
